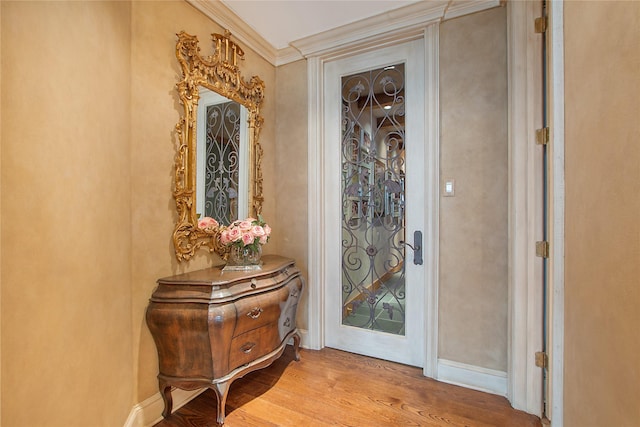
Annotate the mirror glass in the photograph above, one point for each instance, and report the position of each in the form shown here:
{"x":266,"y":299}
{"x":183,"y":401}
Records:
{"x":222,"y":144}
{"x":218,"y":175}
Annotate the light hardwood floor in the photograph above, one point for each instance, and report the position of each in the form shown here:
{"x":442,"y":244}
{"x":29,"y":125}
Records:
{"x":335,"y":388}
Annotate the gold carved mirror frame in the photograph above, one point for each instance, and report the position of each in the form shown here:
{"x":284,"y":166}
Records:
{"x":218,"y":73}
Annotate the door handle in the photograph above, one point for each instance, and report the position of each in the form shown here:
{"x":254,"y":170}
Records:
{"x":417,"y":247}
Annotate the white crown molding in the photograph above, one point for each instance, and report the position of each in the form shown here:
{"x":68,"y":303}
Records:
{"x":414,"y":15}
{"x":221,"y":14}
{"x":372,"y":31}
{"x":379,"y":28}
{"x":461,"y":8}
{"x":287,"y":55}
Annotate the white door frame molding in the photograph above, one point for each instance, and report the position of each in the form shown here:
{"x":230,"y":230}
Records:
{"x":555,"y":406}
{"x":525,"y":280}
{"x":525,"y":207}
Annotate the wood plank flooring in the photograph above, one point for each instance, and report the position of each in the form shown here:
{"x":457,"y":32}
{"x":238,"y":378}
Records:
{"x":335,"y":388}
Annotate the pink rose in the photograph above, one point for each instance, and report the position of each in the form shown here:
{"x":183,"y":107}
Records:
{"x":258,"y":231}
{"x":267,"y":230}
{"x":245,"y":225}
{"x":234,"y":234}
{"x":207,"y":222}
{"x":247,"y":238}
{"x":264,"y":239}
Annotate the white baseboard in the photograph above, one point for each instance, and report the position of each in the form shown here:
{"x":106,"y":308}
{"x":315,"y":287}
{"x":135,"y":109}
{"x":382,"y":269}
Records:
{"x":304,"y":338}
{"x":149,"y":412}
{"x":473,"y":377}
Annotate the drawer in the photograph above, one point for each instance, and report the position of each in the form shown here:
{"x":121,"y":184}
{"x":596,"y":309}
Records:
{"x":251,"y":345}
{"x":259,"y":310}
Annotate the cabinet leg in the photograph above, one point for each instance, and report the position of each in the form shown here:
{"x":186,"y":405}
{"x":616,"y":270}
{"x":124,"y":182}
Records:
{"x":296,"y":346}
{"x":221,"y":390}
{"x":165,"y":392}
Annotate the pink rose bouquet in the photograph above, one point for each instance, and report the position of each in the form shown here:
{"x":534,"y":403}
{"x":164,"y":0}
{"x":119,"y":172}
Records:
{"x":248,"y":232}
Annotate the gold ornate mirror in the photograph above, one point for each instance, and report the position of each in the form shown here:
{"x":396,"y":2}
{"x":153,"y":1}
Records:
{"x":221,"y":108}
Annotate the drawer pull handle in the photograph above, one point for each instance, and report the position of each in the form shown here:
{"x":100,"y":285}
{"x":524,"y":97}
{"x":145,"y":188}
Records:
{"x":255,"y":313}
{"x":254,"y":283}
{"x":247,"y":347}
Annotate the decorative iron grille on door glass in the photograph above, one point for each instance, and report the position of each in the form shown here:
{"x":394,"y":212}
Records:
{"x":222,"y":162}
{"x":373,"y":200}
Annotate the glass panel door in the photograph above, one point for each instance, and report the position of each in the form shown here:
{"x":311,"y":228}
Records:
{"x":374,"y":109}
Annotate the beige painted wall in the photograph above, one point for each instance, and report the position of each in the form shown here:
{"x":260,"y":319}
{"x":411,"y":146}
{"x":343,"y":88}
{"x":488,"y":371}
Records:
{"x":89,"y":110}
{"x":66,"y":204}
{"x":155,"y":112}
{"x":473,"y":223}
{"x":602,"y":240}
{"x":291,"y":169}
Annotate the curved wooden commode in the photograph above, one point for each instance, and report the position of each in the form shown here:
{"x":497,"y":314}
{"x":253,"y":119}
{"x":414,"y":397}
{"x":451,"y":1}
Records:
{"x":212,"y":327}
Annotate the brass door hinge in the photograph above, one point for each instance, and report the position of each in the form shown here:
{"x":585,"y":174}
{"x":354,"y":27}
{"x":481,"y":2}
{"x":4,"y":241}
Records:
{"x":542,"y":136}
{"x":541,"y":24}
{"x":542,"y":361}
{"x":542,"y":249}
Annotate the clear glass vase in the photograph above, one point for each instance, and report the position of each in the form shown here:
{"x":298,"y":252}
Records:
{"x":245,"y":257}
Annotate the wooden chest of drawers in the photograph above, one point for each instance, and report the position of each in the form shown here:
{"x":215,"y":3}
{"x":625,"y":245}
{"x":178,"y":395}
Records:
{"x":212,"y":327}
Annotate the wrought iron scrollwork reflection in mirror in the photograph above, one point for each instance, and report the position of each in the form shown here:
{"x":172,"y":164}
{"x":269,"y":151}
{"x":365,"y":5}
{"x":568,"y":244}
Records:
{"x":217,"y":73}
